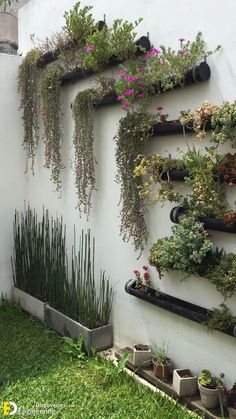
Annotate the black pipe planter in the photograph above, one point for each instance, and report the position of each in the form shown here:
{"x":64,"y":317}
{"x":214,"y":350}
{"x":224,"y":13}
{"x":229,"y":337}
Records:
{"x":174,"y":174}
{"x":174,"y":305}
{"x":197,"y":74}
{"x":209,"y":223}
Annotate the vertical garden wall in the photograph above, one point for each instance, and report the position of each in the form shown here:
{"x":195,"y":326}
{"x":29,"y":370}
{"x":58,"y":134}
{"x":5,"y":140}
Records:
{"x":134,"y":320}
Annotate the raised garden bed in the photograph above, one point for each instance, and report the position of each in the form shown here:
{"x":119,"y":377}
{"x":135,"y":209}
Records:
{"x":174,"y":305}
{"x":99,"y":339}
{"x":208,"y":222}
{"x":192,"y":402}
{"x":31,"y":305}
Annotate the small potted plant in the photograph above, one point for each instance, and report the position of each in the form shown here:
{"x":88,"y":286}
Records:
{"x":209,"y":387}
{"x":184,"y":382}
{"x":162,"y":366}
{"x":142,"y":281}
{"x":141,"y":355}
{"x":231,"y":401}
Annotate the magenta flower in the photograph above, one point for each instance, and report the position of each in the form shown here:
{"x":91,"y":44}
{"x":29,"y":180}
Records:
{"x":128,"y":92}
{"x":145,"y":267}
{"x":146,"y":276}
{"x":140,"y":85}
{"x":154,"y":51}
{"x":121,"y":74}
{"x":182,"y":40}
{"x":120,"y":98}
{"x":136,"y":272}
{"x":89,"y":48}
{"x":131,"y":78}
{"x":125,"y":105}
{"x":140,"y":95}
{"x":183,"y":53}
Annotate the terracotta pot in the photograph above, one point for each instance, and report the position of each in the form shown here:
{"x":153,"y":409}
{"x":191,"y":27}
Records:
{"x":209,"y":397}
{"x":232,"y":412}
{"x":162,"y":371}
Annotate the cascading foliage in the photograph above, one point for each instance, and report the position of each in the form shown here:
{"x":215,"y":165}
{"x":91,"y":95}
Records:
{"x":134,"y":131}
{"x":84,"y":161}
{"x":40,"y":268}
{"x":28,"y":81}
{"x":50,"y":89}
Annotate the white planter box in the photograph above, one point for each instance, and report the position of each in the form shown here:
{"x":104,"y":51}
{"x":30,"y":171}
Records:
{"x":30,"y":304}
{"x":184,"y":383}
{"x":99,"y":339}
{"x":141,"y":358}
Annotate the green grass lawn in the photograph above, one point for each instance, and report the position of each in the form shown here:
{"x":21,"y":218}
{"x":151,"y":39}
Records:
{"x":37,"y":373}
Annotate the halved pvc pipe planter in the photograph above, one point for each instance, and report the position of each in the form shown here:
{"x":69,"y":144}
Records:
{"x":208,"y":222}
{"x":174,"y":305}
{"x":197,"y":74}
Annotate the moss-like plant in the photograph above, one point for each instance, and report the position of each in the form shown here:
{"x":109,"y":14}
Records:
{"x":52,"y":121}
{"x":134,"y":131}
{"x":28,"y":79}
{"x":84,"y":163}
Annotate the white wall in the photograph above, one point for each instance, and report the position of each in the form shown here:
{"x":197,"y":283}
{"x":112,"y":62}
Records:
{"x":11,"y":163}
{"x":134,"y":320}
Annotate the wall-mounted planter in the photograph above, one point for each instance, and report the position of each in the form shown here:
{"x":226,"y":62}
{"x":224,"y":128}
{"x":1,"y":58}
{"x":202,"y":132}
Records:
{"x":184,"y":382}
{"x":99,"y":339}
{"x":208,"y":222}
{"x":30,"y":304}
{"x":199,"y":73}
{"x":174,"y":305}
{"x":174,"y":174}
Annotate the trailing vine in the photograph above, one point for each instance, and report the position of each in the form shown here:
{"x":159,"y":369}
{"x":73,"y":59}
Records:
{"x":84,"y":163}
{"x":28,"y":78}
{"x":52,"y":120}
{"x":134,"y":131}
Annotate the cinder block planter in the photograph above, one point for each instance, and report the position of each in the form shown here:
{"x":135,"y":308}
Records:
{"x":99,"y":339}
{"x":141,"y":358}
{"x":184,"y":383}
{"x":30,"y":304}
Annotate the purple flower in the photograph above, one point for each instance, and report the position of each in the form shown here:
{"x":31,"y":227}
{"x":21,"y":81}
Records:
{"x":120,"y":98}
{"x":140,"y":95}
{"x":128,"y":92}
{"x":131,"y":78}
{"x":121,"y":74}
{"x":141,"y":85}
{"x":142,"y":209}
{"x":183,"y":53}
{"x":136,"y":272}
{"x":182,"y":40}
{"x":154,"y":51}
{"x":89,"y":48}
{"x":125,"y":105}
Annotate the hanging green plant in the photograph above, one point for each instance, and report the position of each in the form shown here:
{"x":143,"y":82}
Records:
{"x":52,"y":121}
{"x":134,"y":131}
{"x":84,"y":161}
{"x":28,"y":80}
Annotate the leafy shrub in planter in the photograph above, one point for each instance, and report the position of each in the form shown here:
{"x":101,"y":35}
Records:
{"x":220,"y":319}
{"x":184,"y":250}
{"x":223,"y":274}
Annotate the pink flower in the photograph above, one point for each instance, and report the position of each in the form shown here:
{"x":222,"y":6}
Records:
{"x":183,"y":53}
{"x":120,"y":98}
{"x":128,"y":92}
{"x":182,"y":40}
{"x":125,"y":105}
{"x":140,"y":85}
{"x":131,"y":78}
{"x":140,"y":95}
{"x":89,"y":48}
{"x":146,"y":276}
{"x":154,"y":51}
{"x":121,"y":74}
{"x":160,"y":108}
{"x":142,"y":209}
{"x":136,"y":272}
{"x":145,"y":267}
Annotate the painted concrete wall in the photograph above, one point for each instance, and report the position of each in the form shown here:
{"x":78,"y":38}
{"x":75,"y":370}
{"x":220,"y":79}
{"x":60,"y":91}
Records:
{"x":134,"y":320}
{"x":11,"y":163}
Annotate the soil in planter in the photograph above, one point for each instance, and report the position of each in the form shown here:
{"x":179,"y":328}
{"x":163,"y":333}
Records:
{"x":141,"y":347}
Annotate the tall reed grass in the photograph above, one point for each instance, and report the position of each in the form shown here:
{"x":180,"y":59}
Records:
{"x":40,"y":268}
